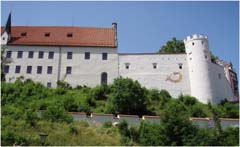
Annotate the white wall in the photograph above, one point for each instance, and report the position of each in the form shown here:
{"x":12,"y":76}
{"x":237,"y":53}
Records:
{"x":84,"y":72}
{"x":88,"y":72}
{"x":34,"y":62}
{"x":141,"y":69}
{"x":220,"y":86}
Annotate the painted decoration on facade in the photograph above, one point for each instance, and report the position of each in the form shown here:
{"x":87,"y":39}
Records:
{"x":174,"y":77}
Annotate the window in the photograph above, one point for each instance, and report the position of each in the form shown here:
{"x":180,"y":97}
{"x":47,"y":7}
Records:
{"x":49,"y":84}
{"x":50,"y":55}
{"x":68,"y":70}
{"x":19,"y":54}
{"x":127,"y":65}
{"x":6,"y":69}
{"x":29,"y":69}
{"x":87,"y":55}
{"x":49,"y":70}
{"x":180,"y":65}
{"x":104,"y":56}
{"x":39,"y":69}
{"x":30,"y":54}
{"x":17,"y":69}
{"x":3,"y":38}
{"x":40,"y":54}
{"x":154,"y":65}
{"x":219,"y":76}
{"x":9,"y":54}
{"x":69,"y":34}
{"x":193,"y":43}
{"x":47,"y":34}
{"x":69,"y":55}
{"x":24,"y":34}
{"x":103,"y":78}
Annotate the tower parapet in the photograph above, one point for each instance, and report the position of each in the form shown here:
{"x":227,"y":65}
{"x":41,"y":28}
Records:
{"x":195,"y":37}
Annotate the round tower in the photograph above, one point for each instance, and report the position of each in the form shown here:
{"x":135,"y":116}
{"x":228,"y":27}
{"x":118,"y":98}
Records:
{"x":199,"y":58}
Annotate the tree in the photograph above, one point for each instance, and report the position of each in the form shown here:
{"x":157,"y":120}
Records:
{"x":176,"y":124}
{"x":127,"y":96}
{"x":173,"y":46}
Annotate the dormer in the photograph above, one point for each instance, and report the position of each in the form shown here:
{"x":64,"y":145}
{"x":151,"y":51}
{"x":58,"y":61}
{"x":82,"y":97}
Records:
{"x":4,"y":38}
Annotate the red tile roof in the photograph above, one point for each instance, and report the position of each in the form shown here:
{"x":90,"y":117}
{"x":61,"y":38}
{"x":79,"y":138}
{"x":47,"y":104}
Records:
{"x":81,"y":36}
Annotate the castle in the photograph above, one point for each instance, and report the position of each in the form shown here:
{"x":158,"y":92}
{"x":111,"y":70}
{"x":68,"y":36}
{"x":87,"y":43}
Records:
{"x":89,"y":56}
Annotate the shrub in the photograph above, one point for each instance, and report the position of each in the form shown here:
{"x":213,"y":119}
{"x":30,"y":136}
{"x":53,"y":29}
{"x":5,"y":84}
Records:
{"x":107,"y":124}
{"x":57,"y":114}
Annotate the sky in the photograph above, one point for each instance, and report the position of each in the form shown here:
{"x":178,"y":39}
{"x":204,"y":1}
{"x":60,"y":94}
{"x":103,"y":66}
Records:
{"x":142,"y":26}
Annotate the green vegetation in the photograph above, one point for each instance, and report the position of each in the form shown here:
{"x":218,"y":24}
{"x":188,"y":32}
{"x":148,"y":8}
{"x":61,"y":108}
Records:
{"x":173,"y":46}
{"x":22,"y":123}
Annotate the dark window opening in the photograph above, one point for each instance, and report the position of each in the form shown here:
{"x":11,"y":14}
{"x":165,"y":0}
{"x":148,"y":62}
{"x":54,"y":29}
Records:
{"x":69,"y":70}
{"x":50,"y":55}
{"x":180,"y":65}
{"x":219,"y":76}
{"x":69,"y":55}
{"x":69,"y":34}
{"x":193,"y":43}
{"x":49,"y":84}
{"x":49,"y":70}
{"x":104,"y":78}
{"x":87,"y":55}
{"x":40,"y":54}
{"x":127,"y":65}
{"x":17,"y":69}
{"x":6,"y":69}
{"x":19,"y":54}
{"x":30,"y":54}
{"x":47,"y":34}
{"x":29,"y":69}
{"x":154,"y":65}
{"x":104,"y":56}
{"x":24,"y":34}
{"x":9,"y":54}
{"x":3,"y":38}
{"x":39,"y":69}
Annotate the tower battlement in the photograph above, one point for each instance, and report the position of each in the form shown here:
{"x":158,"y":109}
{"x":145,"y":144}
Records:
{"x":195,"y":37}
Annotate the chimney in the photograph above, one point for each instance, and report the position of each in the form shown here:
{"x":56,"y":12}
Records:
{"x":114,"y":26}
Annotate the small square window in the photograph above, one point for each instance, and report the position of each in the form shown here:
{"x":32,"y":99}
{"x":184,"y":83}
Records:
{"x":17,"y":69}
{"x":50,"y":55}
{"x":9,"y":54}
{"x":49,"y":84}
{"x":69,"y":70}
{"x":180,"y":65}
{"x":69,"y":55}
{"x":24,"y":34}
{"x":49,"y":70}
{"x":154,"y":65}
{"x":47,"y":34}
{"x":39,"y":69}
{"x":87,"y":55}
{"x":19,"y":54}
{"x":40,"y":54}
{"x":30,"y":54}
{"x":127,"y":65}
{"x":6,"y":69}
{"x":104,"y":56}
{"x":29,"y":69}
{"x":69,"y":35}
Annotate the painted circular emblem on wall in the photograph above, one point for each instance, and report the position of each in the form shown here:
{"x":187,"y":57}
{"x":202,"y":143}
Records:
{"x":174,"y":77}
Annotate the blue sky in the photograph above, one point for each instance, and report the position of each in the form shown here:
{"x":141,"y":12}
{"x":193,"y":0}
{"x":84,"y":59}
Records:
{"x":142,"y":26}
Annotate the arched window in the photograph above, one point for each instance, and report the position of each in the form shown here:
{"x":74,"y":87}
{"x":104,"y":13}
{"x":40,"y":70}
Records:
{"x":103,"y":78}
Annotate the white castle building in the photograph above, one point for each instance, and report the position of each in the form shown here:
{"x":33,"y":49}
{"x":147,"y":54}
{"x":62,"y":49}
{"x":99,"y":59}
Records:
{"x":89,"y":56}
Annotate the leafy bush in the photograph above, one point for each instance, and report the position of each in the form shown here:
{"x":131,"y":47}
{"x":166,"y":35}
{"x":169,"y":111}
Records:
{"x":57,"y":114}
{"x":125,"y":92}
{"x":107,"y":124}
